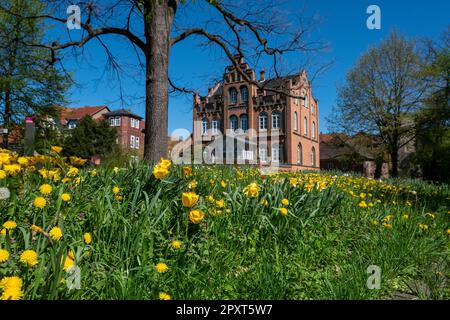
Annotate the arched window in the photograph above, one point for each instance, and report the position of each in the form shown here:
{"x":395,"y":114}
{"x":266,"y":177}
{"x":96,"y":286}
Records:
{"x":215,"y":126}
{"x":313,"y":156}
{"x":305,"y":126}
{"x":276,"y":120}
{"x":299,"y":154}
{"x":313,"y":130}
{"x":244,"y":122}
{"x":244,"y":94}
{"x":295,"y":121}
{"x":313,"y":109}
{"x":232,"y":95}
{"x":306,"y":100}
{"x":233,"y":123}
{"x":205,"y":124}
{"x":262,"y":120}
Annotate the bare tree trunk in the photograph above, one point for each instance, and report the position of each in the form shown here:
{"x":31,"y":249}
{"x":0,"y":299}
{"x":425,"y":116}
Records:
{"x":158,"y":23}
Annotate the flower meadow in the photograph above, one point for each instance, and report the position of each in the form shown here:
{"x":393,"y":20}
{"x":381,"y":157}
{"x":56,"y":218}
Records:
{"x":72,"y":231}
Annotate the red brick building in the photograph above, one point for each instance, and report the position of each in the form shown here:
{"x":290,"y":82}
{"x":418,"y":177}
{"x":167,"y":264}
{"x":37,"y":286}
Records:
{"x":130,"y":127}
{"x":236,"y":106}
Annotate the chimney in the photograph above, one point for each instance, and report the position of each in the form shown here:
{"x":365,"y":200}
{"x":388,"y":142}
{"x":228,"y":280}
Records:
{"x":262,"y":76}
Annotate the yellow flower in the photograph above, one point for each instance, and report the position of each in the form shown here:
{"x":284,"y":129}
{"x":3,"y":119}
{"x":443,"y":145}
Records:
{"x":223,"y":184}
{"x":66,"y":197}
{"x":4,"y":255}
{"x":73,"y":172}
{"x":56,"y":233}
{"x":13,"y":293}
{"x":36,"y":229}
{"x":161,"y":267}
{"x":3,"y":232}
{"x":40,"y":202}
{"x":405,"y":216}
{"x":29,"y":257}
{"x":10,"y":282}
{"x":176,"y":244}
{"x":423,"y":227}
{"x":431,"y":215}
{"x":283,"y":211}
{"x":375,"y":222}
{"x":220,"y":203}
{"x":192,"y":184}
{"x":362,"y":204}
{"x":252,"y":190}
{"x":189,"y":199}
{"x":87,"y":238}
{"x":387,"y":225}
{"x":45,"y":189}
{"x":116,"y":190}
{"x":65,"y":180}
{"x":12,"y":169}
{"x":68,"y":262}
{"x":2,"y":174}
{"x":264,"y":202}
{"x":164,"y":163}
{"x":362,"y":195}
{"x":10,"y":224}
{"x":116,"y":169}
{"x":93,"y":173}
{"x":164,"y":296}
{"x":196,"y":216}
{"x":448,"y":231}
{"x":285,"y":202}
{"x":187,"y":171}
{"x":56,"y":149}
{"x":160,"y":172}
{"x":22,"y":161}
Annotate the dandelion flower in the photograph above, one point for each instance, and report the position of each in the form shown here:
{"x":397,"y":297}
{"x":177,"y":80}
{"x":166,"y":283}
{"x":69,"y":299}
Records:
{"x":423,"y":227}
{"x":220,"y":204}
{"x":87,"y":238}
{"x":4,"y":255}
{"x":68,"y":263}
{"x":176,"y":244}
{"x":45,"y":189}
{"x":196,"y":216}
{"x":29,"y":257}
{"x":12,"y":293}
{"x":285,"y":202}
{"x":65,"y":197}
{"x":283,"y":211}
{"x":10,"y":282}
{"x":161,"y":267}
{"x":56,"y":149}
{"x":40,"y":202}
{"x":362,"y":204}
{"x":187,"y":171}
{"x":116,"y":190}
{"x":4,"y":193}
{"x":2,"y":174}
{"x":56,"y":233}
{"x":164,"y":296}
{"x":10,"y":225}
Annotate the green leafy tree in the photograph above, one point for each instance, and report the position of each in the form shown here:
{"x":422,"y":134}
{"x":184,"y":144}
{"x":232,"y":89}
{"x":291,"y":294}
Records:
{"x":382,"y":93}
{"x":433,"y":122}
{"x":29,"y":82}
{"x":91,"y":138}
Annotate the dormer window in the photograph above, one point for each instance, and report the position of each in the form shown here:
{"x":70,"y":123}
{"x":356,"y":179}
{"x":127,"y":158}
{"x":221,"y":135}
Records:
{"x":114,"y":121}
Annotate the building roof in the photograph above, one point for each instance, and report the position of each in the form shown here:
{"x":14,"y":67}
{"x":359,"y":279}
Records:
{"x":122,"y":112}
{"x":78,"y":113}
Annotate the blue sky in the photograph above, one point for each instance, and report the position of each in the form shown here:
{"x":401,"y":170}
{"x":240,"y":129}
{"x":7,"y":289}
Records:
{"x":343,"y":26}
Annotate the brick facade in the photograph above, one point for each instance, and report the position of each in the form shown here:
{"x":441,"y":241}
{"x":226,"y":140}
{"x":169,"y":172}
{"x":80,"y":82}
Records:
{"x":235,"y":101}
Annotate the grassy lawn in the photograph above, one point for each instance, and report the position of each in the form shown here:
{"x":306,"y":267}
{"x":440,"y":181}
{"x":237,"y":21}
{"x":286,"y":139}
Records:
{"x":137,"y":233}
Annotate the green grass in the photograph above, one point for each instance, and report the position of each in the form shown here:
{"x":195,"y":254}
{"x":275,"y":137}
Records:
{"x":321,"y":250}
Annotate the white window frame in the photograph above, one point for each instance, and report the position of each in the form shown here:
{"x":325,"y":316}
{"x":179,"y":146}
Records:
{"x":276,"y":121}
{"x":263,"y":153}
{"x":313,"y":130}
{"x":215,"y":126}
{"x":244,"y":97}
{"x":299,"y":154}
{"x":305,"y":126}
{"x":262,"y":121}
{"x":117,"y":121}
{"x":244,"y":119}
{"x":132,"y":141}
{"x":205,"y":125}
{"x":275,"y":154}
{"x":295,"y":121}
{"x":137,"y":142}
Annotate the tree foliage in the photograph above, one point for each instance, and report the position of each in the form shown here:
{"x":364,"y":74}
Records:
{"x":29,"y":82}
{"x":91,"y":138}
{"x":382,"y":93}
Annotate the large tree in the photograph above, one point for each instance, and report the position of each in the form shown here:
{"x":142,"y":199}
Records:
{"x":382,"y":93}
{"x":433,"y":122}
{"x":152,"y":28}
{"x":29,"y":82}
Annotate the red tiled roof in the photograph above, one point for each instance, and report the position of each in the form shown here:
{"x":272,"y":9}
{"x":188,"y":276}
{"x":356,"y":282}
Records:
{"x":78,"y":113}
